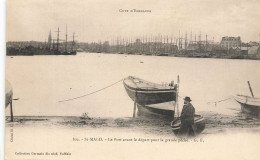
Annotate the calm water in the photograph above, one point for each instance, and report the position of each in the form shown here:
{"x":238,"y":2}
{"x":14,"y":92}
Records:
{"x":41,"y":81}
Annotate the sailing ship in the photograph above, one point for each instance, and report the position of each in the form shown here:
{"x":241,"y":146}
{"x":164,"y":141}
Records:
{"x":55,"y":48}
{"x":51,"y":48}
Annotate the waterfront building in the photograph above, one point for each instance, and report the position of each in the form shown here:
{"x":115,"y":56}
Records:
{"x":230,"y":42}
{"x":252,"y":43}
{"x":254,"y":50}
{"x":244,"y":50}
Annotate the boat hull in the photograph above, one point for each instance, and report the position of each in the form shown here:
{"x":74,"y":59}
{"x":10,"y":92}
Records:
{"x":163,"y":109}
{"x":8,"y":93}
{"x":146,"y":96}
{"x":249,"y":105}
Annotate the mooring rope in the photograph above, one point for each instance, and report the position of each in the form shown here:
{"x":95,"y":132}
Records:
{"x":216,"y":102}
{"x":92,"y":92}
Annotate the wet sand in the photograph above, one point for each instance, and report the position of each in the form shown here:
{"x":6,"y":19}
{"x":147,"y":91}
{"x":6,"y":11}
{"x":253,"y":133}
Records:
{"x":153,"y":125}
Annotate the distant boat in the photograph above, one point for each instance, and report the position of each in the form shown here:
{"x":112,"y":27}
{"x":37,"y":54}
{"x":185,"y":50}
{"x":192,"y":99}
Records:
{"x":145,"y":93}
{"x":249,"y":104}
{"x":199,"y":122}
{"x":80,"y":50}
{"x":163,"y":54}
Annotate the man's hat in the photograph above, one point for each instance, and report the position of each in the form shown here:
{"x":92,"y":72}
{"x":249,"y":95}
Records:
{"x":187,"y":99}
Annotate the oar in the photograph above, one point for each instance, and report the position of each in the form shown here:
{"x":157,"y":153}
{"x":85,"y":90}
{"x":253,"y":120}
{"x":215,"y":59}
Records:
{"x":250,"y":88}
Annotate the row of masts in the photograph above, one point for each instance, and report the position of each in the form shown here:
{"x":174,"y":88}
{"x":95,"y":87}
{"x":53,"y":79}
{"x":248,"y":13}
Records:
{"x":180,"y":41}
{"x":152,"y":44}
{"x":57,"y":43}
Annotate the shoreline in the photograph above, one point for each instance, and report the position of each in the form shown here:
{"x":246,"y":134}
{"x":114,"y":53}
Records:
{"x":238,"y":57}
{"x":215,"y":123}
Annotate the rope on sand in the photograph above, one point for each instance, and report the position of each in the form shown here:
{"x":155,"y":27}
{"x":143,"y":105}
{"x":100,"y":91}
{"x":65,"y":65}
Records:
{"x":92,"y":92}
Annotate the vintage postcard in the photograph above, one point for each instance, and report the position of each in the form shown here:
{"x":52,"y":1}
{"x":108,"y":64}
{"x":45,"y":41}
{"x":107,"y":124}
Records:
{"x":132,"y":79}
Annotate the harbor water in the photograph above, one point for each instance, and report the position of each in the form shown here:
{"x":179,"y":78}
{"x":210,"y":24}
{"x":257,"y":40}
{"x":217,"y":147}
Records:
{"x":40,"y":82}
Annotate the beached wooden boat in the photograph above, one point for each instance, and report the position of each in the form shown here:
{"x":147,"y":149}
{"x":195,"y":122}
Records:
{"x":145,"y":93}
{"x":198,"y":120}
{"x":250,"y":105}
{"x":8,"y":93}
{"x":9,"y":97}
{"x":165,"y":109}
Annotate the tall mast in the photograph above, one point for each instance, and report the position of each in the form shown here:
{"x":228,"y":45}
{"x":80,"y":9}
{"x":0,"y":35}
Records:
{"x":73,"y":43}
{"x":191,"y":36}
{"x":49,"y":40}
{"x":66,"y":39}
{"x":58,"y":38}
{"x":186,"y":40}
{"x":206,"y":41}
{"x":179,"y":40}
{"x":200,"y":42}
{"x":117,"y":44}
{"x":124,"y":45}
{"x":200,"y":37}
{"x":53,"y":44}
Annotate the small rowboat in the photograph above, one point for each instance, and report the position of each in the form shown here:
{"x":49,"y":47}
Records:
{"x":199,"y":122}
{"x":145,"y":93}
{"x":250,"y":105}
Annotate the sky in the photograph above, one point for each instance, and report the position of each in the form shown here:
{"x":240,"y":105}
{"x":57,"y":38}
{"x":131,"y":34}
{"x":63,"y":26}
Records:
{"x":100,"y":20}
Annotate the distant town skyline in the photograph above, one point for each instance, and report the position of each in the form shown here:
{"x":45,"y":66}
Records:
{"x":99,"y":20}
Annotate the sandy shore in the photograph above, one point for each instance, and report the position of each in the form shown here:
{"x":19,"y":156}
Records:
{"x":222,"y":138}
{"x":215,"y":123}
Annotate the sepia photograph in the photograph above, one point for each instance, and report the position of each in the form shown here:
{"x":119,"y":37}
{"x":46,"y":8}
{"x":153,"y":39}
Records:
{"x":132,"y":79}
